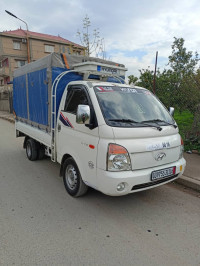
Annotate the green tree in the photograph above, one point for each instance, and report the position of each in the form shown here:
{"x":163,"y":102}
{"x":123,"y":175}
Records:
{"x":181,"y":61}
{"x":132,"y":79}
{"x":184,"y":92}
{"x":146,"y":79}
{"x":164,"y":87}
{"x":178,"y":86}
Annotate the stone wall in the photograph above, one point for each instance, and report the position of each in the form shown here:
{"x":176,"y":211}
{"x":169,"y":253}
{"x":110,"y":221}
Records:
{"x":6,"y":99}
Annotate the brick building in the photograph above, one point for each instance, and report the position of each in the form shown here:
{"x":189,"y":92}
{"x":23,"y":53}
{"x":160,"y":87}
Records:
{"x":14,"y":52}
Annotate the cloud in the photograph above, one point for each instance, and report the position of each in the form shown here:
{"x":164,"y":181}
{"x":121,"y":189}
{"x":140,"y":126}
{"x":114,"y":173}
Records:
{"x":133,"y":30}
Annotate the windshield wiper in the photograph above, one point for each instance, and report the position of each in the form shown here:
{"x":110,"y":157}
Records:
{"x":159,"y":120}
{"x":136,"y":122}
{"x":124,"y":120}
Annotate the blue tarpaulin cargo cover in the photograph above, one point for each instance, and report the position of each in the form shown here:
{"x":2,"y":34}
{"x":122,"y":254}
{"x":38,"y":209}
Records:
{"x":32,"y":86}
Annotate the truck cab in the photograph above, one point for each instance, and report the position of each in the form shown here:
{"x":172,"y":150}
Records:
{"x":121,"y":138}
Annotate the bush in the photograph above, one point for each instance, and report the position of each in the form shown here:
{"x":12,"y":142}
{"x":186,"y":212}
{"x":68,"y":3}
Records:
{"x":190,"y":136}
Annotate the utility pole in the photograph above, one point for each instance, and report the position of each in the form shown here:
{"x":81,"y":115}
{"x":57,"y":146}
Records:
{"x":27,"y":37}
{"x":154,"y":79}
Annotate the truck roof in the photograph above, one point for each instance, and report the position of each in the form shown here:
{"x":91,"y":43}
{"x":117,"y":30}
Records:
{"x":92,"y":83}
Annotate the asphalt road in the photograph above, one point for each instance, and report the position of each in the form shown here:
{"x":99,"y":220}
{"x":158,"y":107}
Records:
{"x":40,"y":224}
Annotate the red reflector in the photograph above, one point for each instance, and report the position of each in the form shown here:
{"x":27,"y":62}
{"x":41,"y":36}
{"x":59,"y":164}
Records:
{"x":174,"y":170}
{"x":182,"y":143}
{"x":92,"y":146}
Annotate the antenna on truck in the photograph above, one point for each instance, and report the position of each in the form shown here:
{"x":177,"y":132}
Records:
{"x":154,"y":78}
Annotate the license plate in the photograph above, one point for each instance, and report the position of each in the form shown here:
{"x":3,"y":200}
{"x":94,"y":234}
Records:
{"x":163,"y":173}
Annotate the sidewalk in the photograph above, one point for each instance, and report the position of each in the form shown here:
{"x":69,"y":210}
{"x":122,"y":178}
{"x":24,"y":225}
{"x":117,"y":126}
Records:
{"x":191,"y":177}
{"x":7,"y":116}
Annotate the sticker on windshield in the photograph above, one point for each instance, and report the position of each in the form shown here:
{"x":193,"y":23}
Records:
{"x":147,"y":92}
{"x":158,"y":146}
{"x":104,"y":89}
{"x":128,"y":90}
{"x":120,"y":89}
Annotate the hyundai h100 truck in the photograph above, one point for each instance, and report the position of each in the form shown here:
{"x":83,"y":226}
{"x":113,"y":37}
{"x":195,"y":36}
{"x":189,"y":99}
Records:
{"x":105,"y":134}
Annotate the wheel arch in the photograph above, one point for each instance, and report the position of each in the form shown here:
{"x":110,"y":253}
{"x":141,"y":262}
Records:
{"x":65,"y":156}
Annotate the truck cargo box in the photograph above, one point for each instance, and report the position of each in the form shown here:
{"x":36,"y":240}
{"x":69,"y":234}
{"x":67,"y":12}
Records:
{"x":32,"y":84}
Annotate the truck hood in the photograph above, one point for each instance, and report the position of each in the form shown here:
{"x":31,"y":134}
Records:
{"x":149,"y":147}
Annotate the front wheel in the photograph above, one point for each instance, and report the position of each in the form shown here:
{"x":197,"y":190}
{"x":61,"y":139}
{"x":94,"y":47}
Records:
{"x":72,"y":179}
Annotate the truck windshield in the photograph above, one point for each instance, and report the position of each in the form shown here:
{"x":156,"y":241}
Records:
{"x":131,"y":107}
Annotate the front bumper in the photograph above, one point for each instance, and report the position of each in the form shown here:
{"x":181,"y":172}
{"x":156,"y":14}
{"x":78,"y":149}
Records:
{"x":134,"y":180}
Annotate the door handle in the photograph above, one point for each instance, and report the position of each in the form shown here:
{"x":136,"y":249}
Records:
{"x":59,"y":127}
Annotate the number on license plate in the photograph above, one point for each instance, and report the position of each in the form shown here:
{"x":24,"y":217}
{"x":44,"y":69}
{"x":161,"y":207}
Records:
{"x":163,"y":173}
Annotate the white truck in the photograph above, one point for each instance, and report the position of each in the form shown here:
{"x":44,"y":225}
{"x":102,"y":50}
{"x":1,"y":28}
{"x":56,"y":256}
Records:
{"x":105,"y":134}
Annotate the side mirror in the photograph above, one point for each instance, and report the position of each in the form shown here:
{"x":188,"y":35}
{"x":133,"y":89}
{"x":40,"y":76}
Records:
{"x":83,"y":114}
{"x":171,"y":111}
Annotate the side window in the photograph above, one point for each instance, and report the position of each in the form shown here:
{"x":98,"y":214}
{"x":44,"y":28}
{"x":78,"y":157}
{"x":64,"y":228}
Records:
{"x":75,"y":96}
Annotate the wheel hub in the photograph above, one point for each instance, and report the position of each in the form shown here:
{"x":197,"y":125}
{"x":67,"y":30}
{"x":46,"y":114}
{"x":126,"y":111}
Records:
{"x":28,"y":148}
{"x":71,"y":177}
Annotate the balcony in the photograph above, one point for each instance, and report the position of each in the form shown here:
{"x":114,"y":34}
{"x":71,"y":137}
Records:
{"x":5,"y":88}
{"x":4,"y":72}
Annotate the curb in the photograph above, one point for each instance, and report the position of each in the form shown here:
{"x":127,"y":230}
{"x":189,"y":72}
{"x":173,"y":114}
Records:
{"x":189,"y":182}
{"x":11,"y":120}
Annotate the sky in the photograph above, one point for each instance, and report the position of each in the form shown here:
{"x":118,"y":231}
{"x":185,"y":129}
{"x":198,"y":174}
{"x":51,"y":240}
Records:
{"x":133,"y":30}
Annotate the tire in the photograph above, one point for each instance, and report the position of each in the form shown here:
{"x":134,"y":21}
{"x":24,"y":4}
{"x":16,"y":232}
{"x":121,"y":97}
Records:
{"x":31,"y":149}
{"x":72,"y":179}
{"x":41,"y":152}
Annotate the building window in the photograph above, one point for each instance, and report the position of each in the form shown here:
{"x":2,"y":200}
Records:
{"x":68,"y":50}
{"x":20,"y":63}
{"x":16,"y":45}
{"x":48,"y":48}
{"x":4,"y":63}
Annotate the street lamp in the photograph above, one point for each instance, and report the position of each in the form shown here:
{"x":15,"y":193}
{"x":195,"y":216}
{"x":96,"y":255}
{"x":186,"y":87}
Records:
{"x":28,"y":47}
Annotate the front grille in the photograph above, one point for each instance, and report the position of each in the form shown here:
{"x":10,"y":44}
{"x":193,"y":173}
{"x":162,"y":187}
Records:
{"x":153,"y":183}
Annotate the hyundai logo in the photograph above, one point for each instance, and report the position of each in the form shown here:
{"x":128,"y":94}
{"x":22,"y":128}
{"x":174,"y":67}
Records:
{"x":160,"y":156}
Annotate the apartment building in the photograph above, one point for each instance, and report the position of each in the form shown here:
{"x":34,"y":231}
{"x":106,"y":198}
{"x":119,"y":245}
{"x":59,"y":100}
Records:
{"x":14,"y":50}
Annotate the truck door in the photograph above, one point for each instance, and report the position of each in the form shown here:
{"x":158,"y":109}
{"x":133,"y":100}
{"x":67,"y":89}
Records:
{"x":78,"y":140}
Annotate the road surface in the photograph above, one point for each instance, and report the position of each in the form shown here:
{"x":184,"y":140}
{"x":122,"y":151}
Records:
{"x":40,"y":224}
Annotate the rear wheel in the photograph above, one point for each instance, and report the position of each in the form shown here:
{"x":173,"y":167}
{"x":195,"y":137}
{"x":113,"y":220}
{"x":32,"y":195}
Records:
{"x":31,"y":149}
{"x":41,"y":152}
{"x":72,"y":179}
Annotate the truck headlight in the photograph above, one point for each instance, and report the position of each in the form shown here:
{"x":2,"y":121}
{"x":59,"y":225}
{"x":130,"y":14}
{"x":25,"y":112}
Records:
{"x":118,"y":158}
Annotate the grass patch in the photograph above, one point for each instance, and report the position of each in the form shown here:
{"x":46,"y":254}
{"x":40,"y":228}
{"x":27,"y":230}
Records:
{"x":184,"y":121}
